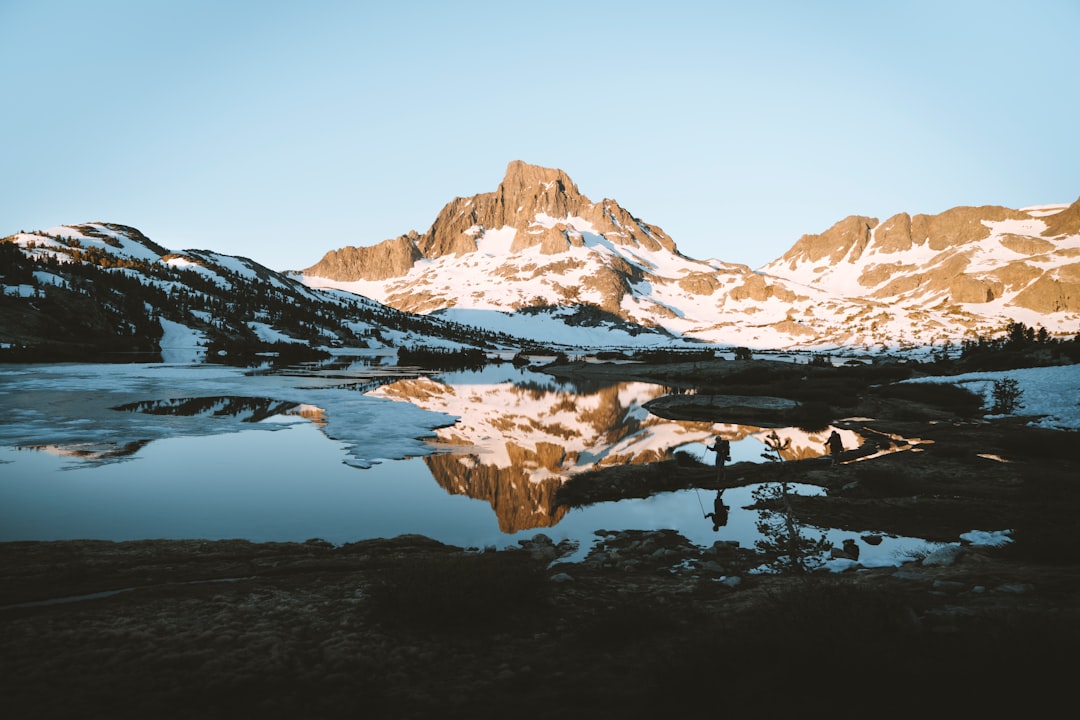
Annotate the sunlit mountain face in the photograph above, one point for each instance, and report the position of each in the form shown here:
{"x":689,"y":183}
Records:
{"x":540,"y":260}
{"x":519,"y":436}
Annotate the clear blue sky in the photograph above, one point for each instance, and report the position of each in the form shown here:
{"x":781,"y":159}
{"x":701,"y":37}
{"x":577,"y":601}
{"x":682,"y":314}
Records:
{"x":282,"y":130}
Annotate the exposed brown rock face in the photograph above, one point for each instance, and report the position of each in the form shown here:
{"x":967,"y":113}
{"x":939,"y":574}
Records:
{"x":552,"y":241}
{"x":968,"y":289}
{"x":622,"y":227}
{"x":1047,"y":295}
{"x":1026,"y":245}
{"x":1016,"y":274}
{"x":526,"y":192}
{"x":390,"y":258}
{"x":1066,"y":222}
{"x":898,"y":286}
{"x":447,"y":235}
{"x":1069,"y":273}
{"x":894,"y":235}
{"x":848,"y":239}
{"x":959,"y":225}
{"x":755,"y":287}
{"x":790,"y":327}
{"x":850,"y":235}
{"x":699,"y":283}
{"x":874,"y":275}
{"x":611,"y":285}
{"x":947,"y":267}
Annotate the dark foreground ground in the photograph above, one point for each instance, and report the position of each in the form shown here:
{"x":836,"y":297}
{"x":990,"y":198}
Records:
{"x":646,"y":626}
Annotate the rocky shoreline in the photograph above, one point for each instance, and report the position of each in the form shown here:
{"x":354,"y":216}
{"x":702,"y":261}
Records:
{"x":646,"y":624}
{"x":215,"y":629}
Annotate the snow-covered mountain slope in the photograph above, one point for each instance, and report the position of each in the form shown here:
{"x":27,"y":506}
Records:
{"x":977,"y":262}
{"x":536,"y":257}
{"x":79,"y":290}
{"x":537,"y":246}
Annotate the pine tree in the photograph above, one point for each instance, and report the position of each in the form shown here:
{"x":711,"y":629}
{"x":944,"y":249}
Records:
{"x":1006,"y":395}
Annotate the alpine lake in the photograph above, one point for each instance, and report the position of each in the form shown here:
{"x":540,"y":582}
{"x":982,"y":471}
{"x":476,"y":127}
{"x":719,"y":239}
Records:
{"x":359,"y":448}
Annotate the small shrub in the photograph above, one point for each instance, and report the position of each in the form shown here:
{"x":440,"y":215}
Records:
{"x":685,"y":459}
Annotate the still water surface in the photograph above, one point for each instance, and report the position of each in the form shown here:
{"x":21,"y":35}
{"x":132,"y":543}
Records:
{"x":469,"y":458}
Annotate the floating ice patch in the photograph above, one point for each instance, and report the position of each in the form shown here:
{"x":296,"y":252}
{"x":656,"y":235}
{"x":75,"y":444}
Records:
{"x":982,"y":538}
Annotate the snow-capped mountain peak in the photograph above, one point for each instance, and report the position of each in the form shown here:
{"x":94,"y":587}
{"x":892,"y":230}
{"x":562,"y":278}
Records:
{"x":538,"y":246}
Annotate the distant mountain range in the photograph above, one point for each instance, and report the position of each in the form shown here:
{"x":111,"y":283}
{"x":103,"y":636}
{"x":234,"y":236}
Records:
{"x":537,"y":263}
{"x":537,"y":250}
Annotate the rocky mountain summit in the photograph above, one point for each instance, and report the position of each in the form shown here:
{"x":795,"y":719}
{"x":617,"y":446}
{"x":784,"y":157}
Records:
{"x":542,"y":206}
{"x":538,"y":249}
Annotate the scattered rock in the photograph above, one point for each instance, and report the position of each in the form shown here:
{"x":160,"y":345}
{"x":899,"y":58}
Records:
{"x":1016,"y":588}
{"x":948,"y":586}
{"x":943,"y":556}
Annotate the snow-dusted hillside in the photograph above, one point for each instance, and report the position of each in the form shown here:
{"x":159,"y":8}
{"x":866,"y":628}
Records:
{"x":76,"y":291}
{"x":538,"y":258}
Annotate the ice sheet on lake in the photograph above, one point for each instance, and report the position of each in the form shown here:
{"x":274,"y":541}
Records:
{"x":73,"y":406}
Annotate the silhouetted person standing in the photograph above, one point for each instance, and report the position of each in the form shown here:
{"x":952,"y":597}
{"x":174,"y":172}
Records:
{"x":722,"y":448}
{"x":835,"y":446}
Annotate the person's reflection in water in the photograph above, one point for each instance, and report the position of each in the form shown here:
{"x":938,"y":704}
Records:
{"x":720,"y":511}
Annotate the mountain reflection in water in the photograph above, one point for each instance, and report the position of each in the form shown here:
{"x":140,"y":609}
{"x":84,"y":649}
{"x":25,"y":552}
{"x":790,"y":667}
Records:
{"x":521,"y":435}
{"x":245,"y":409}
{"x":337,"y":457}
